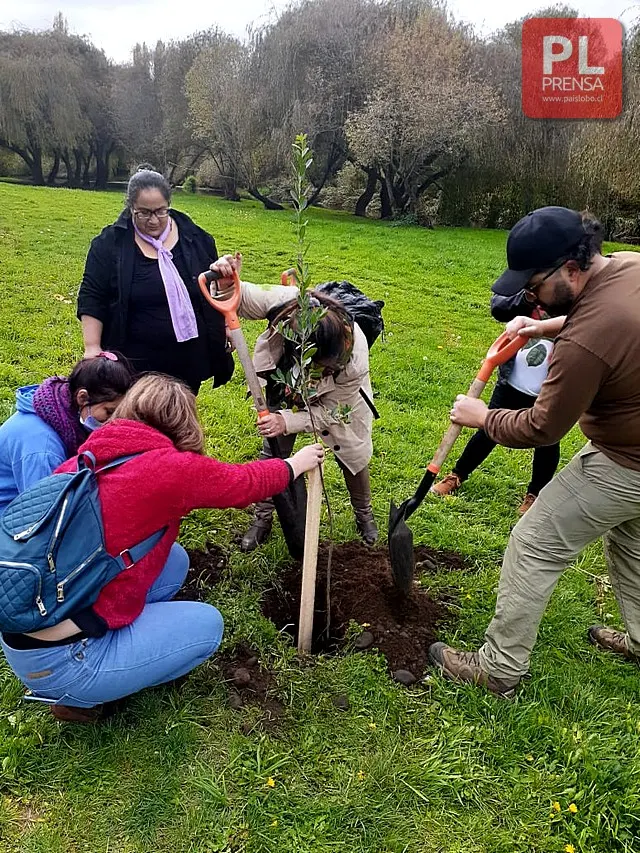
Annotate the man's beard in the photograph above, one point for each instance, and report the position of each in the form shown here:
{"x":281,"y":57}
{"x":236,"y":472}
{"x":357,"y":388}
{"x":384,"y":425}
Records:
{"x":562,"y":300}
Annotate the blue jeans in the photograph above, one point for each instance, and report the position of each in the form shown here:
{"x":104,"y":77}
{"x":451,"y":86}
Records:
{"x":167,"y":640}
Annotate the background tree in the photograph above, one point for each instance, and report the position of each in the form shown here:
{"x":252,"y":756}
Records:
{"x":426,"y":112}
{"x":40,"y":103}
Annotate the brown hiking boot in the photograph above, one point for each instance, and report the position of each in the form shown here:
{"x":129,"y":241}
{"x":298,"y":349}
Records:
{"x":612,"y":641}
{"x":527,"y":503}
{"x":70,"y":714}
{"x":465,"y":666}
{"x":97,"y":714}
{"x":447,"y":486}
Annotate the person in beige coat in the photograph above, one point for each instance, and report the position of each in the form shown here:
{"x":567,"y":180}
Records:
{"x":343,"y":354}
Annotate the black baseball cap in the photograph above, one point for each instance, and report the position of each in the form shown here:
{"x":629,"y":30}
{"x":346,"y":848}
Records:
{"x":538,"y":241}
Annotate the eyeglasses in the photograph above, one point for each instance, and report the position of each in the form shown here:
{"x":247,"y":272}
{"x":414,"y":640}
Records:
{"x":145,"y":215}
{"x":532,"y":288}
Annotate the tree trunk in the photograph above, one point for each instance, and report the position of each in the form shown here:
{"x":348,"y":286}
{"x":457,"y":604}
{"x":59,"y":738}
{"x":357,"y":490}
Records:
{"x":268,"y":203}
{"x":66,"y":159}
{"x":29,"y":157}
{"x":106,"y":167}
{"x":386,"y":203}
{"x":77,"y":173}
{"x":87,"y":167}
{"x":101,"y":170}
{"x":37,"y":175}
{"x":332,"y":159}
{"x":55,"y":168}
{"x":369,"y":191}
{"x":230,"y":189}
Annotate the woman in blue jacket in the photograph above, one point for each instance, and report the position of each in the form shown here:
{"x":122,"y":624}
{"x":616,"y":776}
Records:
{"x":53,"y":419}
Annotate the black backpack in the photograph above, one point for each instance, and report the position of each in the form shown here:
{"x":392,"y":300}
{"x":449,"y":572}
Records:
{"x":367,"y":313}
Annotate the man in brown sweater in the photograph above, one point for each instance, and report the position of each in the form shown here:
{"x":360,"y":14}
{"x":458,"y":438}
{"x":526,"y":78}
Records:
{"x":593,"y":379}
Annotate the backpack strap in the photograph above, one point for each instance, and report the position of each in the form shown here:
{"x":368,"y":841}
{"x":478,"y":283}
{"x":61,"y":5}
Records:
{"x":86,"y":460}
{"x":130,"y":556}
{"x":370,"y":403}
{"x":115,"y":462}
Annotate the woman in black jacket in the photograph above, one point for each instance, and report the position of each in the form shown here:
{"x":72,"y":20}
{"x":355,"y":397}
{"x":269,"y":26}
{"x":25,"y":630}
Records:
{"x":140,"y":294}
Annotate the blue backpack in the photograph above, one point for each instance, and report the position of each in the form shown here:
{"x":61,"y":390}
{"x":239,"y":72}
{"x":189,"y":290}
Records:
{"x":53,"y":560}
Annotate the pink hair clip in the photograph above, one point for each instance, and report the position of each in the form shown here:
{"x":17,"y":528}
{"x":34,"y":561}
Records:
{"x":108,"y":355}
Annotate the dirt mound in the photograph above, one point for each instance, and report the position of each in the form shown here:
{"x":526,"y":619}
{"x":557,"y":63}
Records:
{"x":248,"y":683}
{"x":205,"y":571}
{"x":362,"y":591}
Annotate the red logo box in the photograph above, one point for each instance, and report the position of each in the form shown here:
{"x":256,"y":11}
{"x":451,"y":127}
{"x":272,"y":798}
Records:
{"x":572,"y":67}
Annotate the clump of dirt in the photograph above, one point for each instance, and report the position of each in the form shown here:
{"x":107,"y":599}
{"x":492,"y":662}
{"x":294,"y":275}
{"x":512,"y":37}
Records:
{"x":205,"y":570}
{"x":362,"y":591}
{"x":248,"y":683}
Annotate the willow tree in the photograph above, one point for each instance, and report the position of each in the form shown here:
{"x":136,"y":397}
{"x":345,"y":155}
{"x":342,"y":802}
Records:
{"x":40,"y":104}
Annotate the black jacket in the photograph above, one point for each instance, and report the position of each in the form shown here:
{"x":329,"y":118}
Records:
{"x":504,"y":309}
{"x":108,"y":274}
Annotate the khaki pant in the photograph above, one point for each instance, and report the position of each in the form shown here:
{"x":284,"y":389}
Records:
{"x":591,"y":497}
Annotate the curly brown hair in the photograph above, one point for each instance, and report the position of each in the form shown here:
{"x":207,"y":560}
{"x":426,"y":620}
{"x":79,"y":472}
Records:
{"x":166,"y":404}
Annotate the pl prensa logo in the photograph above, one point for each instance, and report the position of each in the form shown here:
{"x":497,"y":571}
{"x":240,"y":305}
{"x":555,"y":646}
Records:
{"x":571,"y":67}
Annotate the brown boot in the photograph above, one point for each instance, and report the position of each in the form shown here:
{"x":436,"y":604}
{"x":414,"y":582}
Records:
{"x":612,"y":641}
{"x":527,"y":503}
{"x":366,"y":525}
{"x":359,"y":487}
{"x":447,"y":486}
{"x":465,"y":666}
{"x":260,"y":528}
{"x":70,"y":714}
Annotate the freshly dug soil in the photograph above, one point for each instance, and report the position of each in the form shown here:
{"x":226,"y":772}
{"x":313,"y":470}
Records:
{"x":205,"y":571}
{"x":249,"y":684}
{"x":362,"y":591}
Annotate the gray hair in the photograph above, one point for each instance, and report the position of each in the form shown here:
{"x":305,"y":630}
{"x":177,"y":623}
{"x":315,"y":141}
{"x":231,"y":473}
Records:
{"x":146,"y":178}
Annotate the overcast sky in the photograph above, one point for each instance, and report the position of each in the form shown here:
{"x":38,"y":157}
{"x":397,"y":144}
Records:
{"x":116,"y":25}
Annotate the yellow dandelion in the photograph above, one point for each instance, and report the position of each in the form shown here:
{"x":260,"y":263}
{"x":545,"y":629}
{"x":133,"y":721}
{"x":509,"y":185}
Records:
{"x":271,"y":782}
{"x":360,"y":775}
{"x":372,"y":726}
{"x":555,"y":806}
{"x":569,"y":848}
{"x":440,"y":347}
{"x":573,"y":808}
{"x":275,"y":823}
{"x":529,"y":757}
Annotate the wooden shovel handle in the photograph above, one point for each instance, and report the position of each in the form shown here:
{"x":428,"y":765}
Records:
{"x":500,"y":351}
{"x":475,"y":390}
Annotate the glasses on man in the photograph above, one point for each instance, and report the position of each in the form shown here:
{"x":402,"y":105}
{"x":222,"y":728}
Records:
{"x":532,"y":288}
{"x":145,"y":215}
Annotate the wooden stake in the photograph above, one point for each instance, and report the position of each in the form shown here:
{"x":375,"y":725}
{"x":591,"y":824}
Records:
{"x":310,"y":560}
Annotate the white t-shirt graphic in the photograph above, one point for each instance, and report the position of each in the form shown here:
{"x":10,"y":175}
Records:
{"x":531,"y":366}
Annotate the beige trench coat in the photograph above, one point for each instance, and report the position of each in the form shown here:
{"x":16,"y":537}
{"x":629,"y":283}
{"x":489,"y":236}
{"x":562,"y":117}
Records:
{"x":350,"y":442}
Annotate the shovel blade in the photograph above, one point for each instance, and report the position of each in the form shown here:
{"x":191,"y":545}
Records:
{"x":400,"y":541}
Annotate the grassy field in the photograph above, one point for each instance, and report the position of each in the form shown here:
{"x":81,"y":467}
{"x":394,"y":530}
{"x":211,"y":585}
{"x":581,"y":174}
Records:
{"x":437,"y":769}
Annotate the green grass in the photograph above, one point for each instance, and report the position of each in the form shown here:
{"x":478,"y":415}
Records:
{"x":438,"y":769}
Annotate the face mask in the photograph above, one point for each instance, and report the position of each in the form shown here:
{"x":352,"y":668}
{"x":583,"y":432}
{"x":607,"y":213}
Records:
{"x":90,"y":423}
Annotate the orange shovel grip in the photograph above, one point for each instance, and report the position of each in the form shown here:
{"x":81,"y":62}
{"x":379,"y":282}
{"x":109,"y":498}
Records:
{"x":226,"y":304}
{"x":500,"y":351}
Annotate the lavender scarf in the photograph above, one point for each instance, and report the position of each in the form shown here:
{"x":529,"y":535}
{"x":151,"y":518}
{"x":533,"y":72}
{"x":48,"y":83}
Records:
{"x":52,"y":403}
{"x":183,"y":317}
